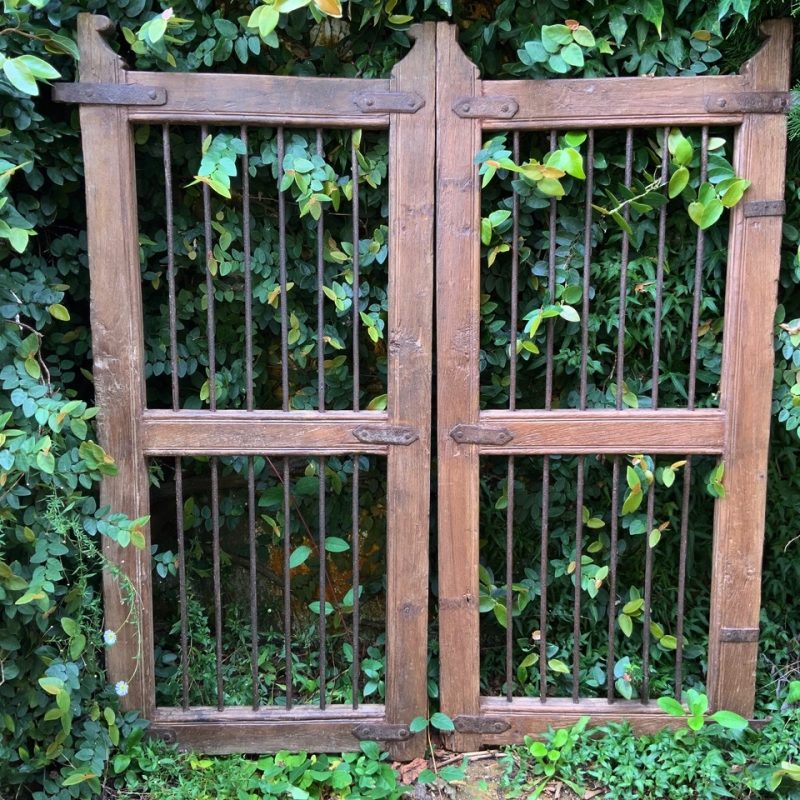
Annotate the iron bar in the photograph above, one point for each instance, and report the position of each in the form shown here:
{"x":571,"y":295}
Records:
{"x":612,"y":579}
{"x":172,"y":305}
{"x":248,"y":276}
{"x":320,"y":297}
{"x":356,"y":280}
{"x":509,"y":581}
{"x":216,"y":578}
{"x":322,"y":580}
{"x":209,"y":247}
{"x":287,"y":583}
{"x":182,"y":582}
{"x":282,"y":280}
{"x":355,"y":546}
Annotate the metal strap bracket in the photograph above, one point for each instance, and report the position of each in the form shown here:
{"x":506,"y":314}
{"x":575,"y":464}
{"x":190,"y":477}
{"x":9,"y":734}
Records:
{"x":388,"y":102}
{"x":381,"y":732}
{"x":109,"y":94}
{"x":765,"y":208}
{"x":478,"y":434}
{"x":738,"y":635}
{"x":480,"y":724}
{"x":749,"y":103}
{"x":385,"y":434}
{"x":486,"y":107}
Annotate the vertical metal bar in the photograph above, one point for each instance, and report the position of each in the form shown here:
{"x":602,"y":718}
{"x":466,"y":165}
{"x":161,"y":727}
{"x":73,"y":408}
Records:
{"x":512,"y":404}
{"x":248,"y":277}
{"x":282,"y":280}
{"x":287,"y":584}
{"x":662,"y":233}
{"x":587,"y":262}
{"x":355,"y":546}
{"x":355,"y":543}
{"x":691,"y":390}
{"x":322,"y":593}
{"x":182,"y":583}
{"x":612,"y":579}
{"x":648,"y":555}
{"x":216,"y":578}
{"x":356,"y":280}
{"x":320,"y":297}
{"x":251,"y":526}
{"x":509,"y":582}
{"x":548,"y":401}
{"x":212,"y":351}
{"x":512,"y":390}
{"x":173,"y":314}
{"x":623,"y":296}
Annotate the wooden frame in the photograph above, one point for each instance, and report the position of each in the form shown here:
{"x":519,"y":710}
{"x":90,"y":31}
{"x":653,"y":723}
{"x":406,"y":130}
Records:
{"x":436,"y":109}
{"x":738,"y":431}
{"x":131,"y":432}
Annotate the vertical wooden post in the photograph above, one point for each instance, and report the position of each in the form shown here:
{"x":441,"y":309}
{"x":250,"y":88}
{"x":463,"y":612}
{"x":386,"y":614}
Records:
{"x":746,"y":390}
{"x":458,"y":342}
{"x":411,"y":212}
{"x":117,"y":350}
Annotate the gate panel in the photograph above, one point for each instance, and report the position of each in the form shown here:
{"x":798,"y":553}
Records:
{"x":132,"y":433}
{"x":736,"y":432}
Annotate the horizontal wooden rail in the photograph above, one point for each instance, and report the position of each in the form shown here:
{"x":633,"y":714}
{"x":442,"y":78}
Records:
{"x":224,"y":433}
{"x":606,"y":431}
{"x":220,"y":99}
{"x":242,"y":730}
{"x":529,"y":716}
{"x":622,"y":102}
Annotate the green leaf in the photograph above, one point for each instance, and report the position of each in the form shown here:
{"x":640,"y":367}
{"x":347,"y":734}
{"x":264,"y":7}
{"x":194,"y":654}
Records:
{"x":569,"y":160}
{"x":38,"y":67}
{"x":569,"y":314}
{"x":671,"y":706}
{"x":20,"y":77}
{"x":573,"y":55}
{"x":418,"y":724}
{"x":333,"y":544}
{"x":46,"y":462}
{"x":654,"y":538}
{"x":442,"y":722}
{"x":626,"y":624}
{"x":554,"y":37}
{"x":299,"y":556}
{"x":678,"y":181}
{"x":583,"y":36}
{"x":74,"y":778}
{"x":51,"y":685}
{"x":370,"y":750}
{"x":730,"y":719}
{"x":652,"y":11}
{"x":668,"y":642}
{"x":59,"y":312}
{"x":558,"y":666}
{"x":711,"y":213}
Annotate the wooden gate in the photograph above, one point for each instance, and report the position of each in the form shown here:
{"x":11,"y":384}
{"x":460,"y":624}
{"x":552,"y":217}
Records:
{"x":736,"y":431}
{"x":436,"y":109}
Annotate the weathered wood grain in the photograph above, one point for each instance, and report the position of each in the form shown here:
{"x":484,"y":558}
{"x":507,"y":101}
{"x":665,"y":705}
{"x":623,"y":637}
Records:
{"x":242,"y":432}
{"x":746,"y":389}
{"x":118,"y":352}
{"x":458,"y":344}
{"x":605,"y":431}
{"x":411,"y":197}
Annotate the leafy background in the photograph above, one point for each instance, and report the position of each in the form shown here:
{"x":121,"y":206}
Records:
{"x":62,"y":728}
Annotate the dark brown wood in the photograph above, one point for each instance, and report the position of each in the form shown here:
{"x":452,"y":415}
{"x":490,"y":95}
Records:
{"x":738,"y":635}
{"x":481,"y":434}
{"x":673,"y":431}
{"x":278,"y":432}
{"x":220,"y":99}
{"x":746,"y":389}
{"x":389,"y":102}
{"x":270,"y":729}
{"x":528,"y":716}
{"x":486,"y":107}
{"x":411,"y":198}
{"x":750,"y":103}
{"x":118,"y":354}
{"x":403,"y":435}
{"x":105,"y":94}
{"x":765,"y":208}
{"x":458,"y":343}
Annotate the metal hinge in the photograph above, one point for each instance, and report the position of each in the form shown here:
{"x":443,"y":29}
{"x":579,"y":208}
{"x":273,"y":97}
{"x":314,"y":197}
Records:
{"x":381,"y":732}
{"x":109,"y":94}
{"x":749,"y":103}
{"x":738,"y":634}
{"x":477,"y":434}
{"x":765,"y":208}
{"x":480,"y":724}
{"x":388,"y":102}
{"x":385,"y":434}
{"x":486,"y":107}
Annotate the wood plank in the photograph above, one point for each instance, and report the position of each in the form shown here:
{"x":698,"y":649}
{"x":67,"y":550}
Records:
{"x":243,"y":432}
{"x":607,"y":102}
{"x":220,"y":99}
{"x":412,"y":154}
{"x":606,"y":431}
{"x":118,"y":348}
{"x":268,"y":730}
{"x":458,"y":344}
{"x":746,"y":389}
{"x":529,"y":716}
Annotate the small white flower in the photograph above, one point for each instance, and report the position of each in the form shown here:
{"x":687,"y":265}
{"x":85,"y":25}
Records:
{"x":121,"y":688}
{"x":109,"y":637}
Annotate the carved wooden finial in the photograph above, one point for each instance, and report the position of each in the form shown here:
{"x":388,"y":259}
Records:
{"x":767,"y":68}
{"x":98,"y":62}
